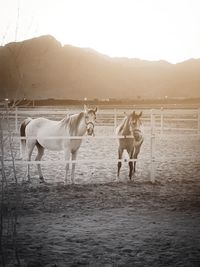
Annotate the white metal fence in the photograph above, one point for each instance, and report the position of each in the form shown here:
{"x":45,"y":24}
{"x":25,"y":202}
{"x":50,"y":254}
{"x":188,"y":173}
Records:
{"x":113,"y":116}
{"x":155,"y":127}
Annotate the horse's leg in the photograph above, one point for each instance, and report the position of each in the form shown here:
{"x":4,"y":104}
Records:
{"x":67,"y":157}
{"x":30,"y":146}
{"x":39,"y":157}
{"x":130,"y":163}
{"x":74,"y":155}
{"x":135,"y":157}
{"x":136,"y":152}
{"x":120,"y":152}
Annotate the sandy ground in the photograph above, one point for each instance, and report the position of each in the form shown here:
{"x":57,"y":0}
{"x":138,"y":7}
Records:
{"x":103,"y":222}
{"x":113,"y":224}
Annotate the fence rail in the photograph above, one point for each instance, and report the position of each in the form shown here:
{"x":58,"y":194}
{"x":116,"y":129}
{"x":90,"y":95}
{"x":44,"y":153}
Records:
{"x":47,"y":162}
{"x":102,"y":136}
{"x":112,"y":116}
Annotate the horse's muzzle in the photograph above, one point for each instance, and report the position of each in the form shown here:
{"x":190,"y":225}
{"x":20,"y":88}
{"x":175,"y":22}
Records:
{"x":90,"y":128}
{"x":90,"y":131}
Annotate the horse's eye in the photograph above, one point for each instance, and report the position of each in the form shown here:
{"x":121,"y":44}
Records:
{"x":86,"y":117}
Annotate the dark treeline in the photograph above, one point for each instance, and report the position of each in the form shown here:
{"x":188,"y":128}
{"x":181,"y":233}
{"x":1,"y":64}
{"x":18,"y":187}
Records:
{"x":108,"y":102}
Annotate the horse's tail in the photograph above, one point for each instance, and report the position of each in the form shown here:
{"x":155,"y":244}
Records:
{"x":23,"y":134}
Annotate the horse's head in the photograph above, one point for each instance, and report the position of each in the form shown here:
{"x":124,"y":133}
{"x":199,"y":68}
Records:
{"x":134,"y":121}
{"x":90,"y":118}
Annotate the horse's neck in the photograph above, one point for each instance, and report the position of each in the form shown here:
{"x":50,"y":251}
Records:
{"x":65,"y":120}
{"x":139,"y":139}
{"x":124,"y":129}
{"x":77,"y":125}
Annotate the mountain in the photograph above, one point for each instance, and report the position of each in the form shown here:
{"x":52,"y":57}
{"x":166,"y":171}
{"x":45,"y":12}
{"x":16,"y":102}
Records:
{"x":42,"y":68}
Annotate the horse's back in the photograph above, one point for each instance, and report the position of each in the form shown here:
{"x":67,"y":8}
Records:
{"x":42,"y":125}
{"x":41,"y":128}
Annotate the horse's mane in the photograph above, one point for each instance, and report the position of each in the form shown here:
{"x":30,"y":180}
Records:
{"x":72,"y":122}
{"x":123,"y":127}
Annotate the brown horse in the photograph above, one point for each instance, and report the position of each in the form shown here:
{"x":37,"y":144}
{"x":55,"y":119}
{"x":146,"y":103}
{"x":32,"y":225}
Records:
{"x":131,"y":141}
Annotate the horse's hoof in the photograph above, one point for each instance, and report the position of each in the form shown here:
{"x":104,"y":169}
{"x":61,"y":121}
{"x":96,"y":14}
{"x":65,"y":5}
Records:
{"x":42,"y":180}
{"x":72,"y":181}
{"x":116,"y":179}
{"x":65,"y":182}
{"x":26,"y":182}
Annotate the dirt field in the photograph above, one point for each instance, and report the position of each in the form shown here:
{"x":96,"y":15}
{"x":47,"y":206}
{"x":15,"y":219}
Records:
{"x":114,"y":224}
{"x":103,"y":222}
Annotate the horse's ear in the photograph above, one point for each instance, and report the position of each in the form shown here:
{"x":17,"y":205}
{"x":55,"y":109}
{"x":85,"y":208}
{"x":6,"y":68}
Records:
{"x":85,"y":108}
{"x":140,"y":115}
{"x":133,"y":113}
{"x":95,"y":110}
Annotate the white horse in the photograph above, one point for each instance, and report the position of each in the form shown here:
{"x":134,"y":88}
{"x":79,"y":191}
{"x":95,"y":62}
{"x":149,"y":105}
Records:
{"x":130,"y":129}
{"x":35,"y":130}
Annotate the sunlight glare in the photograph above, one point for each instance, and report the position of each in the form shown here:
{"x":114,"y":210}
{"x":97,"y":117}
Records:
{"x":146,"y":29}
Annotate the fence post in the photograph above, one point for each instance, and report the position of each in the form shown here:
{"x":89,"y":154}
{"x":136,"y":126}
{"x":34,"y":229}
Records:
{"x":115,"y":119}
{"x":152,"y":174}
{"x":161,"y":121}
{"x":198,"y":122}
{"x":16,"y":119}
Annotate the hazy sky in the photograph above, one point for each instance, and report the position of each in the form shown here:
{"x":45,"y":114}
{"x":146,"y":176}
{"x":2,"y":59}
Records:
{"x":146,"y":29}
